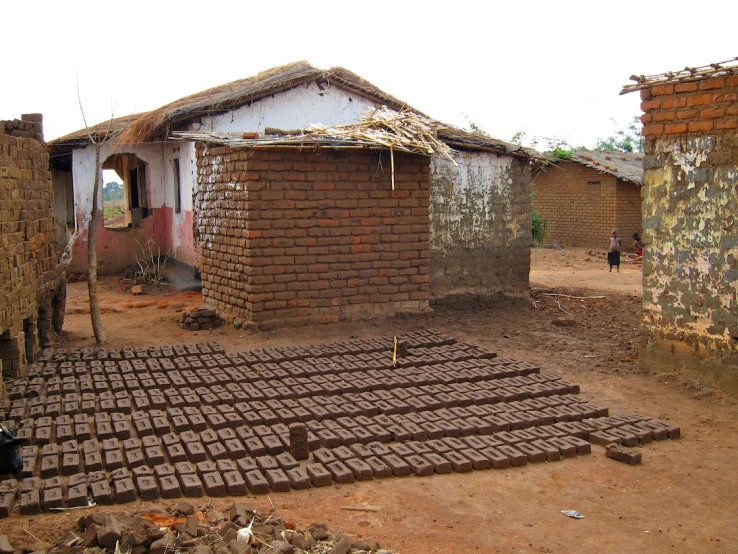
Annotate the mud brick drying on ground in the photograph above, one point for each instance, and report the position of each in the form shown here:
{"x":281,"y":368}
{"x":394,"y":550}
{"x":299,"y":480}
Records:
{"x":201,"y":531}
{"x":113,"y":425}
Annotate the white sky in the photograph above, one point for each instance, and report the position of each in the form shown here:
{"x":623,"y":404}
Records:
{"x":548,"y":68}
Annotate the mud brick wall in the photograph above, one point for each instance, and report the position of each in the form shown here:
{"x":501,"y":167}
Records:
{"x":32,"y":285}
{"x":690,"y":202}
{"x":582,"y":205}
{"x":291,"y":238}
{"x":480,"y":226}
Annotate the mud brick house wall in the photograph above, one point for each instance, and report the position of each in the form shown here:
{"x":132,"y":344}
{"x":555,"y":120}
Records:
{"x":480,"y":225}
{"x":290,"y":237}
{"x":582,"y":204}
{"x":690,"y":202}
{"x":32,"y":284}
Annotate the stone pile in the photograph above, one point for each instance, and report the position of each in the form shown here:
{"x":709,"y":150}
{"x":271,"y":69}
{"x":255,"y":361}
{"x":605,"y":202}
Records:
{"x":201,"y":531}
{"x":199,"y":318}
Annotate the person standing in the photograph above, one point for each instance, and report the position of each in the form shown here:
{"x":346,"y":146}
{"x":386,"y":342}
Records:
{"x":613,"y":253}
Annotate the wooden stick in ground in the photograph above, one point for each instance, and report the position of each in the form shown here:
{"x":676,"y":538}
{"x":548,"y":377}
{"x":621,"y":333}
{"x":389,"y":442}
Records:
{"x":573,"y":297}
{"x":360,"y":508}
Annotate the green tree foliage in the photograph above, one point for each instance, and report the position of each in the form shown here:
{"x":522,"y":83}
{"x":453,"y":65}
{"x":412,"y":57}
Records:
{"x":624,"y":140}
{"x":112,"y":191}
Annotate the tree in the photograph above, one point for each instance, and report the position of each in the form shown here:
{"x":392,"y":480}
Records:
{"x":554,"y":146}
{"x":97,"y":140}
{"x":112,"y":191}
{"x":624,"y":140}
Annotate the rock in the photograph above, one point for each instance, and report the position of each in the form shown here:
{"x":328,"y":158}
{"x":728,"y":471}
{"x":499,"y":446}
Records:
{"x":300,"y":541}
{"x":186,"y":508}
{"x":109,"y":533}
{"x":89,"y":537}
{"x":5,"y":547}
{"x":319,"y":531}
{"x":69,"y":538}
{"x":155,"y":533}
{"x":265,"y":531}
{"x":239,"y":547}
{"x":136,"y":290}
{"x":241,"y":509}
{"x":216,"y":516}
{"x":139,"y":550}
{"x":201,"y":549}
{"x":221,"y":548}
{"x":162,"y":545}
{"x":280,"y":547}
{"x":192,"y":524}
{"x":228,"y":526}
{"x":365,"y":544}
{"x":343,"y":546}
{"x":98,"y":518}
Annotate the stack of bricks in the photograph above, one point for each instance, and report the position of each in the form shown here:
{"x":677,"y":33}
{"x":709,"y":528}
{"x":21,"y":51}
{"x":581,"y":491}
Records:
{"x":28,"y":126}
{"x":198,"y":318}
{"x":32,"y":284}
{"x":689,"y":204}
{"x":293,"y":238}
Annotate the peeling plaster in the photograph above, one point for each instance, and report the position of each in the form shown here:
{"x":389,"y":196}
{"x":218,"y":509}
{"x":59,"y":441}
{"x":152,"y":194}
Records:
{"x":689,"y":223}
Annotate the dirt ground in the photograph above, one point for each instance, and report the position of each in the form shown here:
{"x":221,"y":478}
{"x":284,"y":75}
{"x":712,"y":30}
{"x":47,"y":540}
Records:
{"x":682,"y":498}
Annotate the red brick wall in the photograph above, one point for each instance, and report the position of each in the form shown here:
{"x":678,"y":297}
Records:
{"x":291,"y":238}
{"x":580,"y":213}
{"x":690,"y":108}
{"x":690,"y":199}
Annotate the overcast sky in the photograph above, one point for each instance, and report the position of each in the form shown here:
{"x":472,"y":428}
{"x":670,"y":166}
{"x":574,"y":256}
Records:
{"x":546,"y":68}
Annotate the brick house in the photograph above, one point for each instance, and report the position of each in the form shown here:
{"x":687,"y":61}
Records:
{"x":32,"y":282}
{"x":690,"y":202}
{"x":471,"y":219}
{"x":585,"y":197}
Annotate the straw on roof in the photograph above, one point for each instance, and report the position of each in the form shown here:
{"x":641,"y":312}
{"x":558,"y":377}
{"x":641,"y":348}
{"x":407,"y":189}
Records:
{"x":729,"y":67}
{"x":378,"y":128}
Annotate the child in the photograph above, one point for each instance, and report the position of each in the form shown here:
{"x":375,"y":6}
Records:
{"x":637,"y":244}
{"x":613,"y":253}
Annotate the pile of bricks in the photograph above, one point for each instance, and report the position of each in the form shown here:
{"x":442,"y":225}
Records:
{"x":28,"y":126}
{"x":199,"y":318}
{"x":292,"y":238}
{"x":193,"y":420}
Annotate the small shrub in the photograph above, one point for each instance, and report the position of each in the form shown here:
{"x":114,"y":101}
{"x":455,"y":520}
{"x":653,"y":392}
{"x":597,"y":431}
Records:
{"x":539,"y":227}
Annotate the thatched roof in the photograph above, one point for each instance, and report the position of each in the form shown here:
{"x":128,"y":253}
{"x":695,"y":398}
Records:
{"x":688,"y":74}
{"x":99,"y":131}
{"x":627,"y":166}
{"x":159,"y":123}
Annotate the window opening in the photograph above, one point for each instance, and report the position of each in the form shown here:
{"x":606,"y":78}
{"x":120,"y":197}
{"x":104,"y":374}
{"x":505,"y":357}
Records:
{"x":177,"y":186}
